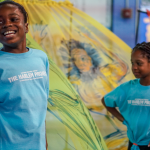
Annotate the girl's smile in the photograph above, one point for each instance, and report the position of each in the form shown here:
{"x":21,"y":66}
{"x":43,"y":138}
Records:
{"x":8,"y":35}
{"x":140,"y":65}
{"x":13,"y":29}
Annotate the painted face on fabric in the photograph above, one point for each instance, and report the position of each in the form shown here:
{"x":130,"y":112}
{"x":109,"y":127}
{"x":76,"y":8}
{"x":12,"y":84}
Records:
{"x":140,"y":64}
{"x":13,"y":29}
{"x":81,"y":60}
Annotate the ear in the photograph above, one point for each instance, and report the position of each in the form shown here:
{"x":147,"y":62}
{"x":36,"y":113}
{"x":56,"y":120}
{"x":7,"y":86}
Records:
{"x":26,"y":28}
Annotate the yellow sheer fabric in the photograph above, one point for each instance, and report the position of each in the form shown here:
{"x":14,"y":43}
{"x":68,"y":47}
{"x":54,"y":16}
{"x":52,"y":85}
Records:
{"x":69,"y":124}
{"x":94,"y":60}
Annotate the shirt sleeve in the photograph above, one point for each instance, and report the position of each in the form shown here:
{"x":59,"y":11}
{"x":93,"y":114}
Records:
{"x":113,"y":98}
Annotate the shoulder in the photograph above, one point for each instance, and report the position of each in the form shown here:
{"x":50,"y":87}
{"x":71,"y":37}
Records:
{"x":130,"y":83}
{"x":39,"y":55}
{"x":38,"y":52}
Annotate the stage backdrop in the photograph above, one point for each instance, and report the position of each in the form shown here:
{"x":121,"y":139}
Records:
{"x":69,"y":125}
{"x":94,"y":60}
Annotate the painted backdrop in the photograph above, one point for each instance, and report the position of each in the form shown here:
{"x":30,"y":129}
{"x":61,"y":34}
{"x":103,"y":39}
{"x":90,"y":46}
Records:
{"x":93,"y":59}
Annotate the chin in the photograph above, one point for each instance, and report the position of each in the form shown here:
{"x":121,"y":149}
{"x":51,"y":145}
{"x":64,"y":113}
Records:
{"x":11,"y":43}
{"x":137,"y":76}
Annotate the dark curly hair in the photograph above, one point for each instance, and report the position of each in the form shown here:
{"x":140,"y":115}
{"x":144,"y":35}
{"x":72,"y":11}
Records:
{"x":20,"y":7}
{"x":144,"y":48}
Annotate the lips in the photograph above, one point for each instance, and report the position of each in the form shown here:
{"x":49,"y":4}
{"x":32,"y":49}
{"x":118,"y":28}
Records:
{"x":136,"y":73}
{"x":8,"y":33}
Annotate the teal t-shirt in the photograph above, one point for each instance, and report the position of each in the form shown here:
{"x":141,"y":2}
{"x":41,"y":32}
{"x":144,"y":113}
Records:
{"x":133,"y":101}
{"x":24,"y":89}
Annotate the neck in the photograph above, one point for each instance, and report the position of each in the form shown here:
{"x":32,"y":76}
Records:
{"x":15,"y":48}
{"x":145,"y":81}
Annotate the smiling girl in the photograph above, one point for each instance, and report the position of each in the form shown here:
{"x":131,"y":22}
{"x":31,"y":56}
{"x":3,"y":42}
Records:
{"x":24,"y":85}
{"x":133,"y":100}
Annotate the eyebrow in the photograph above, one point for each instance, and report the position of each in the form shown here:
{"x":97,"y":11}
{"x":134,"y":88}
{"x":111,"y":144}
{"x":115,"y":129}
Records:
{"x":137,"y":60}
{"x":11,"y":14}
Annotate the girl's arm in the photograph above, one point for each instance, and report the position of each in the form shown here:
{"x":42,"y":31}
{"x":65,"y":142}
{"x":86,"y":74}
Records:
{"x":113,"y":111}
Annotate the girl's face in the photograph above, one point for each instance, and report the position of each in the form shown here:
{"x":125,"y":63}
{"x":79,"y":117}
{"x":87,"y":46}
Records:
{"x":13,"y":29}
{"x":140,"y":64}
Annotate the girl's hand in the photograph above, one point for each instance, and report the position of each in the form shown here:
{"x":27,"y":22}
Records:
{"x":149,"y":144}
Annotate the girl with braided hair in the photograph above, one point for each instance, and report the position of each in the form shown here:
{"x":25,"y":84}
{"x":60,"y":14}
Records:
{"x":133,"y":100}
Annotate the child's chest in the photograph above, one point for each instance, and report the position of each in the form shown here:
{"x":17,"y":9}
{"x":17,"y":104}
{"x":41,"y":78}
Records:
{"x":12,"y":71}
{"x":136,"y":98}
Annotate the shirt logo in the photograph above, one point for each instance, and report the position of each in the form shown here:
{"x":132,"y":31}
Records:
{"x":29,"y":75}
{"x":139,"y":102}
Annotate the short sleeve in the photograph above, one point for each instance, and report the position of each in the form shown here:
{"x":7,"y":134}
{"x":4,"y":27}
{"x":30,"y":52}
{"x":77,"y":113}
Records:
{"x":113,"y":98}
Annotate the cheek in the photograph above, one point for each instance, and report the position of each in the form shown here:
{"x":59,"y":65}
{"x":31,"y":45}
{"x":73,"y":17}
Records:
{"x":144,"y":70}
{"x":23,"y":27}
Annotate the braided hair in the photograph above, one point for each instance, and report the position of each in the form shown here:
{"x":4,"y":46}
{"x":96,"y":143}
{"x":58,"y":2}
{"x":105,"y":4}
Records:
{"x":144,"y":48}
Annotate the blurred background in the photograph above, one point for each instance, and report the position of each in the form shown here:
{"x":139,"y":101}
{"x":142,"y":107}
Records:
{"x":124,"y":18}
{"x":81,"y":38}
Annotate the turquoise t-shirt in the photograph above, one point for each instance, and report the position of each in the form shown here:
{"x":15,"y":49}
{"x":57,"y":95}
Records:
{"x":24,"y":89}
{"x":133,"y":101}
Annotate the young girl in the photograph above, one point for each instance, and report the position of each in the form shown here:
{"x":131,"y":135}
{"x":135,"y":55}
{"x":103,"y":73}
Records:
{"x":23,"y":84}
{"x":133,"y":100}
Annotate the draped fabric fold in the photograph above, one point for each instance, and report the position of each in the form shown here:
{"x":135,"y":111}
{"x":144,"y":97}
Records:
{"x":69,"y":123}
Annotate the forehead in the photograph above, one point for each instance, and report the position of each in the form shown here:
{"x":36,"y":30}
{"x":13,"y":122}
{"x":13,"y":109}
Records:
{"x":138,"y":55}
{"x":78,"y":52}
{"x":8,"y":9}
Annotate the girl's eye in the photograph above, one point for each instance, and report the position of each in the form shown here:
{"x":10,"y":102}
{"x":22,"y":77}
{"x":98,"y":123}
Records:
{"x":1,"y":21}
{"x":139,"y":64}
{"x":14,"y":19}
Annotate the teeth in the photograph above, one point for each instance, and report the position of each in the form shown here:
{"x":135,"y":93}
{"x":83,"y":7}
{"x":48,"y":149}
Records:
{"x":9,"y":32}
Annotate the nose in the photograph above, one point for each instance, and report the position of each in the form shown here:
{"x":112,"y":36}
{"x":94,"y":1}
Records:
{"x":7,"y":24}
{"x":134,"y":67}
